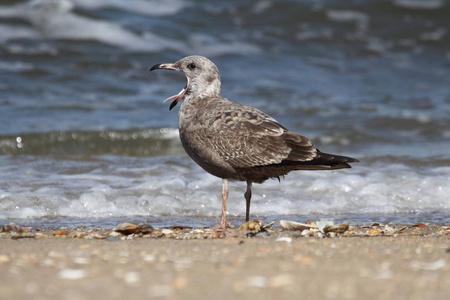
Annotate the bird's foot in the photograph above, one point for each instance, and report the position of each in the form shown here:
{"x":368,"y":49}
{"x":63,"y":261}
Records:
{"x":222,"y":225}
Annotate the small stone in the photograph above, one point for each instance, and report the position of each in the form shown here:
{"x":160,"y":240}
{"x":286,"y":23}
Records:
{"x":80,"y":260}
{"x":389,"y":230}
{"x":48,"y":262}
{"x":56,"y":254}
{"x":4,"y":259}
{"x":331,"y":234}
{"x":307,"y":232}
{"x":285,"y":239}
{"x":318,"y":235}
{"x":420,"y":225}
{"x":60,"y":232}
{"x":113,"y":238}
{"x":281,"y":280}
{"x":100,"y":235}
{"x":303,"y":259}
{"x":166,"y":231}
{"x":178,"y":227}
{"x":322,"y":224}
{"x":374,"y":231}
{"x":132,"y":277}
{"x":40,"y":235}
{"x":180,"y":283}
{"x":115,"y":234}
{"x":72,"y":274}
{"x":149,"y":258}
{"x":257,"y":281}
{"x":428,"y":266}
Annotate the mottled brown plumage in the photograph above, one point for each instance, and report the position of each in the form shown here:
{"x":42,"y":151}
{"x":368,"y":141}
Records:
{"x":234,"y":141}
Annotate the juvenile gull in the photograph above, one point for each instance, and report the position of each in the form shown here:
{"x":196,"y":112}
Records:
{"x":237,"y":142}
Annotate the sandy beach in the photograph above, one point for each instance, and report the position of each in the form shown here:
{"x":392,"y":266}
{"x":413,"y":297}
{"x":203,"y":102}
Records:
{"x":77,"y":264}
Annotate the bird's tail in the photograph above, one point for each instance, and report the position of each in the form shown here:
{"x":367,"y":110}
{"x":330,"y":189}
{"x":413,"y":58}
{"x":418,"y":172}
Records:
{"x":323,"y":161}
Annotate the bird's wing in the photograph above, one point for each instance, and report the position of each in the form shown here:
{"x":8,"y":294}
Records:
{"x":246,"y":137}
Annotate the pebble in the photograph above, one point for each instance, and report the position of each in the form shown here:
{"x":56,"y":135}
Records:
{"x":428,"y":266}
{"x":60,"y":232}
{"x":180,"y":283}
{"x":4,"y":259}
{"x":80,"y":260}
{"x":252,"y":229}
{"x":132,"y":277}
{"x":281,"y":280}
{"x":322,"y":224}
{"x":374,"y":231}
{"x":72,"y":274}
{"x":257,"y":281}
{"x":166,"y":231}
{"x":284,"y":239}
{"x":149,"y":258}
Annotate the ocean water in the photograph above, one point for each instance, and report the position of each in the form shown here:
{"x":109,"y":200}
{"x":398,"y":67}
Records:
{"x":86,"y":140}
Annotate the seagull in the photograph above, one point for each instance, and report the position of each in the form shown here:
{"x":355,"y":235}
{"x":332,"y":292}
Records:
{"x":237,"y":142}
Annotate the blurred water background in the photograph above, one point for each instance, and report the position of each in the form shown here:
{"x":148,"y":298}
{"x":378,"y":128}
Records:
{"x":85,"y":138}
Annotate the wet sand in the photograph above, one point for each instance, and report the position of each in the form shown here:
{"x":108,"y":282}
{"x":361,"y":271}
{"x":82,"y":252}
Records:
{"x":229,"y":265}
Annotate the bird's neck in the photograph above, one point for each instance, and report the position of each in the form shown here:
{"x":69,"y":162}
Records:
{"x":191,"y":108}
{"x":201,"y":89}
{"x":197,"y":97}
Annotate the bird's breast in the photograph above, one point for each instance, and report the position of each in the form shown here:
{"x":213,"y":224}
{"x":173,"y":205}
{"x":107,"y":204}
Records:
{"x":196,"y":145}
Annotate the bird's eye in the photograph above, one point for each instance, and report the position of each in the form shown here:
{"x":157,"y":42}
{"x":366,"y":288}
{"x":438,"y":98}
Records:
{"x":191,"y":66}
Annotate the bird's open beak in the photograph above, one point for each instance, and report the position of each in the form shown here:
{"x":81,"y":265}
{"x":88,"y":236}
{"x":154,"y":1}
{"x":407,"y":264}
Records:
{"x":180,"y":95}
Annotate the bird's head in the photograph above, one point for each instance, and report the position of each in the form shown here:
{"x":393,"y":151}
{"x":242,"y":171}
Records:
{"x":203,"y":79}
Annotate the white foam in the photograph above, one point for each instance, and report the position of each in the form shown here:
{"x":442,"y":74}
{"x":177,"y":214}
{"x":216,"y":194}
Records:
{"x":210,"y":46}
{"x":56,"y":19}
{"x":435,"y":35}
{"x":177,"y":187}
{"x":14,"y":32}
{"x":17,"y":66}
{"x":419,"y":4}
{"x":348,"y":16}
{"x":146,"y":7}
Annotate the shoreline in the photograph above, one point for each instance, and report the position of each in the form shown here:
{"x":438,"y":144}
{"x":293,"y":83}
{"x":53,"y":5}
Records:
{"x":188,"y":263}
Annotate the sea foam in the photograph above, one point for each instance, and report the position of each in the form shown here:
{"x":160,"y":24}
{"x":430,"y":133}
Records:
{"x":177,"y":187}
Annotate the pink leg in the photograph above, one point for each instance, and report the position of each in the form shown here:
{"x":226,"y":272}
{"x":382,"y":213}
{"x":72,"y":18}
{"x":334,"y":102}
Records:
{"x":248,"y":196}
{"x":223,"y":222}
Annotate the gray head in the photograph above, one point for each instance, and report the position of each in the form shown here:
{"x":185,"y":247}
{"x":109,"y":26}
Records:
{"x":203,"y":79}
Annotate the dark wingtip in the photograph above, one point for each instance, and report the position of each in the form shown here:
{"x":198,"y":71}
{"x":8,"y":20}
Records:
{"x":155,"y":67}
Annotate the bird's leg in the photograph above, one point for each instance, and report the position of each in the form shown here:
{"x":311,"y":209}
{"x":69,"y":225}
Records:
{"x":223,"y":222}
{"x":248,"y":196}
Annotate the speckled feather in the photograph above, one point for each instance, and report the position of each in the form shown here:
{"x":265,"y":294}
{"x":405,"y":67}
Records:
{"x":238,"y":142}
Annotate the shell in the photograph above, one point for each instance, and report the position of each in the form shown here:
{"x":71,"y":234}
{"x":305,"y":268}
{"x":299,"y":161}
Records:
{"x":291,"y":225}
{"x":130,"y":228}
